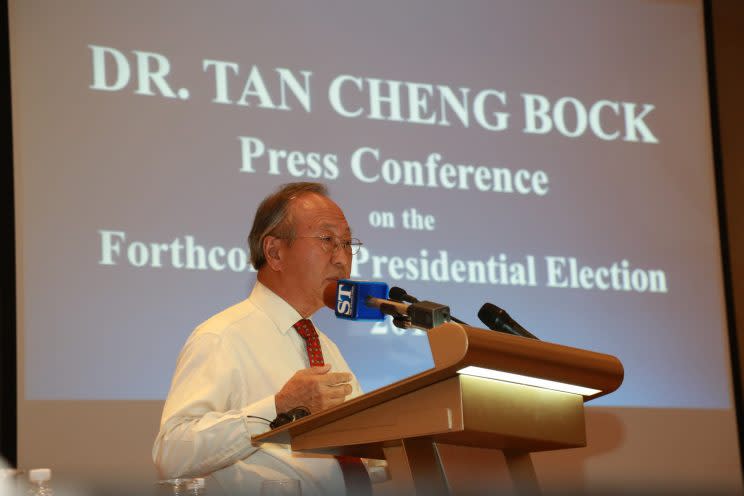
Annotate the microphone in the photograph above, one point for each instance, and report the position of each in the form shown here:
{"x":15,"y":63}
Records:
{"x":400,"y":294}
{"x":348,"y":299}
{"x":497,"y":319}
{"x":367,"y":300}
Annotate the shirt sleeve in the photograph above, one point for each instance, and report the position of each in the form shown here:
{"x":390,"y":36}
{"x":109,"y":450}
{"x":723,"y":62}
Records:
{"x":204,"y":426}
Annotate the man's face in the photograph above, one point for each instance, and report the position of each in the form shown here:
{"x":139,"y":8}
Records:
{"x":306,"y":264}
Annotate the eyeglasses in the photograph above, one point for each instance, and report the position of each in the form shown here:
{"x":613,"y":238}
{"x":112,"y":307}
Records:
{"x":331,"y":244}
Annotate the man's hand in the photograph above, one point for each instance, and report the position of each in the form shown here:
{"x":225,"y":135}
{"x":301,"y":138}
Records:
{"x":315,"y":388}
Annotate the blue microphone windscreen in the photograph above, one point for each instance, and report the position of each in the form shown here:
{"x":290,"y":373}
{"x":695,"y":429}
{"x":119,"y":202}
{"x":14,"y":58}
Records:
{"x":351,"y":297}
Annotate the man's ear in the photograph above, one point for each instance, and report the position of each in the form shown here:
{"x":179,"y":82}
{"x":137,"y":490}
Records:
{"x":273,"y":249}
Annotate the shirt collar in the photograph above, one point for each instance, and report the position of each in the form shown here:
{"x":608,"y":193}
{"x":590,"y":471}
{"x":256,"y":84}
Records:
{"x":275,"y":307}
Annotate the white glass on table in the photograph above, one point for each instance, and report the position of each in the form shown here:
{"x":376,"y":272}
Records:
{"x":281,"y":487}
{"x":185,"y":486}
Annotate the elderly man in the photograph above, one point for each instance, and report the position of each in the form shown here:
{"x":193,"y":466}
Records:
{"x":263,"y":356}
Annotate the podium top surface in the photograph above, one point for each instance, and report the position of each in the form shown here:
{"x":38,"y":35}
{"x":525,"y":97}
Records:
{"x":454,"y":347}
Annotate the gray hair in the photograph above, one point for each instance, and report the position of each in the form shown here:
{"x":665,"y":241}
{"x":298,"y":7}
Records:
{"x":273,"y":217}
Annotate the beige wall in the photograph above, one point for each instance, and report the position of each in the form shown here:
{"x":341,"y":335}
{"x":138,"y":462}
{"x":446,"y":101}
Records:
{"x":628,"y":449}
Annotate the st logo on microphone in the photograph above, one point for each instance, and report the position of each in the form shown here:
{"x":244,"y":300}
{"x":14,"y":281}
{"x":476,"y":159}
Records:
{"x":345,"y":299}
{"x":351,"y":299}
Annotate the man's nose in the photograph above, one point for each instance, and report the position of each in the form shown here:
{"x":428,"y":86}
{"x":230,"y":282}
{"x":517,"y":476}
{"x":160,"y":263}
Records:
{"x":341,"y":257}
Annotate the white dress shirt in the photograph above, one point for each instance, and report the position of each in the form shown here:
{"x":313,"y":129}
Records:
{"x":231,"y":367}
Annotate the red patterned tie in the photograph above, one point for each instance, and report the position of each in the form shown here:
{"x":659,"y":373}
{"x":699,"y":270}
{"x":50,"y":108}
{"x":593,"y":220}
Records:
{"x":356,"y":478}
{"x":306,"y":329}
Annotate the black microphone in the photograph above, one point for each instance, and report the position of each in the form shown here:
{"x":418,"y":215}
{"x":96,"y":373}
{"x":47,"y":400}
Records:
{"x":400,"y":294}
{"x":497,"y":319}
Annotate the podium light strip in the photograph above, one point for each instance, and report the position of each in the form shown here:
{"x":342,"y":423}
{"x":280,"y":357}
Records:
{"x":527,"y":380}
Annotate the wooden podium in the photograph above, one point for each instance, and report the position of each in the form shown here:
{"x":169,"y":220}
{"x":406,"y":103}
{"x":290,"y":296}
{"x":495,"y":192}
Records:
{"x":447,"y":404}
